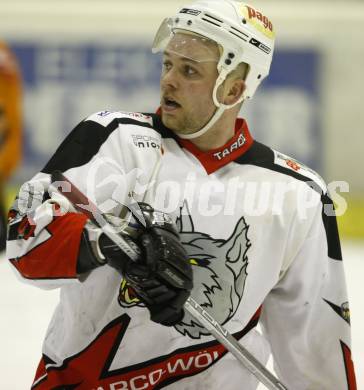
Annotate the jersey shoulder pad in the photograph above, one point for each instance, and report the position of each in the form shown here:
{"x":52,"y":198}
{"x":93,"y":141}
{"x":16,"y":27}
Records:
{"x":104,"y":118}
{"x":293,"y":165}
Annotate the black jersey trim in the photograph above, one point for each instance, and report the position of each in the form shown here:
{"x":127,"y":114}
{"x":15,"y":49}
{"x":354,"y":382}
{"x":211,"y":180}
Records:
{"x":338,"y":310}
{"x":130,"y":121}
{"x":262,"y":156}
{"x":84,"y":141}
{"x":331,"y":229}
{"x":79,"y":146}
{"x":162,"y":130}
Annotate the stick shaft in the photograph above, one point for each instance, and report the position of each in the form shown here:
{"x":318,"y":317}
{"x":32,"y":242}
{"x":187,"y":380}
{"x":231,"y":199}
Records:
{"x":232,"y":345}
{"x":84,"y":205}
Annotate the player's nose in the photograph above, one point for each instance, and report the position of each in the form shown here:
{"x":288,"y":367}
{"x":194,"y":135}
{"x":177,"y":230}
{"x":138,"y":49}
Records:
{"x":169,"y":79}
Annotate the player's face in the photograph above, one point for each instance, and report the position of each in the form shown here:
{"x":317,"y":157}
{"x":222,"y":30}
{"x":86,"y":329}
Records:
{"x":187,"y":82}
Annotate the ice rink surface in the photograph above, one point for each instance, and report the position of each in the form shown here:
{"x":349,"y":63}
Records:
{"x":26,"y":311}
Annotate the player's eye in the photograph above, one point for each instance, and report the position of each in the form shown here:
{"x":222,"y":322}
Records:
{"x":167,"y":65}
{"x":189,"y":70}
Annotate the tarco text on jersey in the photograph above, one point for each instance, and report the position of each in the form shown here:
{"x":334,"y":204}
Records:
{"x":237,"y":144}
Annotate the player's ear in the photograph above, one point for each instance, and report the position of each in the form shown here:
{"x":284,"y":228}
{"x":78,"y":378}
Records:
{"x":233,"y":91}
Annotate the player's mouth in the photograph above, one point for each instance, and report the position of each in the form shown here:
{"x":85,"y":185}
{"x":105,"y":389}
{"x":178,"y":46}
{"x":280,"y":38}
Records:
{"x":169,"y":104}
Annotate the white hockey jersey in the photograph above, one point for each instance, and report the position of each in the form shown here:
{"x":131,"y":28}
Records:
{"x":261,"y":235}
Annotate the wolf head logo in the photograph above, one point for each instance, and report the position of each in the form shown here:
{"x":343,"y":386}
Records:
{"x":219,"y":273}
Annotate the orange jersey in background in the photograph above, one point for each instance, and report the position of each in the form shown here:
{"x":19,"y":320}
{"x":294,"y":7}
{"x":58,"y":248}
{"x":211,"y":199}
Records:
{"x":10,"y":113}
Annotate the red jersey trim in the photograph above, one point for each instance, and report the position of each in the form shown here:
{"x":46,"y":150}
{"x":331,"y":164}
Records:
{"x":55,"y":258}
{"x":90,"y":368}
{"x":349,"y":366}
{"x":214,"y":159}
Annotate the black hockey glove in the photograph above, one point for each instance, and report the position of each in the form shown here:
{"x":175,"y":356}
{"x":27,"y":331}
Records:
{"x":162,"y":279}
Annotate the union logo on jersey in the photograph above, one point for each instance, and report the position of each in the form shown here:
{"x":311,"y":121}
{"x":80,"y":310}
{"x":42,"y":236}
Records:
{"x":220,"y":271}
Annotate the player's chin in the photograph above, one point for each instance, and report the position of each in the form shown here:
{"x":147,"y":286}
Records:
{"x":171,"y":121}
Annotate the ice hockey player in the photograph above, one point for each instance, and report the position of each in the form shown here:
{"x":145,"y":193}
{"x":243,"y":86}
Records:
{"x":192,"y":174}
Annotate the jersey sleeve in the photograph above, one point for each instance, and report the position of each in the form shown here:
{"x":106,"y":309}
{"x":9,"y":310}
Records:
{"x":306,"y":316}
{"x":100,"y":157}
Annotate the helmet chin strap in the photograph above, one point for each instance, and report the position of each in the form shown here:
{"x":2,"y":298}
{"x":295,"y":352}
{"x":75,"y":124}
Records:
{"x":217,"y":114}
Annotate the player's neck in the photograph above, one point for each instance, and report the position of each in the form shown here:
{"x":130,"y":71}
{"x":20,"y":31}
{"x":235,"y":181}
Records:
{"x":218,"y":135}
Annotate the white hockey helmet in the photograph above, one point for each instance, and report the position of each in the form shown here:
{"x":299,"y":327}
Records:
{"x":244,"y":34}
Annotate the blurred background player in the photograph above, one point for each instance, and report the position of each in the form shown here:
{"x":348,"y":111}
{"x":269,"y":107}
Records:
{"x":10,"y":126}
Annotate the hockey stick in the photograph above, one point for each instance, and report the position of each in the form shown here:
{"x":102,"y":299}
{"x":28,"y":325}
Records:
{"x":85,"y":206}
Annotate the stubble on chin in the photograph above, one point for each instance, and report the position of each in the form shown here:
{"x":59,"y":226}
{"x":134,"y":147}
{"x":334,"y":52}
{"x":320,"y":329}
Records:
{"x":173,"y":123}
{"x":179,"y":125}
{"x":169,"y":122}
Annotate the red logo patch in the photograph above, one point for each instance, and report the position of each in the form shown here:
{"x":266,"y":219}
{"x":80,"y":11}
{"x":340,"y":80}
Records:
{"x":293,"y":165}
